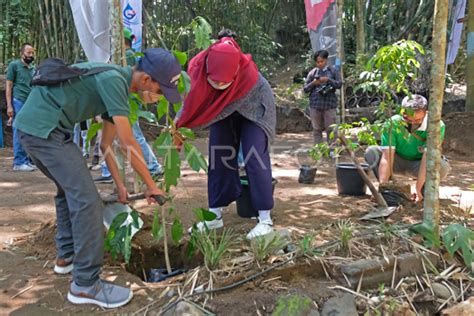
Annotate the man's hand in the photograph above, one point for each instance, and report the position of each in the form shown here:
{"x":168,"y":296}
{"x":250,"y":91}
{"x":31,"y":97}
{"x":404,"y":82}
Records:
{"x":316,"y":82}
{"x":323,"y":79}
{"x":122,"y":194}
{"x":150,"y":192}
{"x":10,"y":110}
{"x":418,"y":196}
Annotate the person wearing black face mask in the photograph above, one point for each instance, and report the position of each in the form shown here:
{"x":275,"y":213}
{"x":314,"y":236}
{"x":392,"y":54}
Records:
{"x":408,"y":143}
{"x":17,"y":89}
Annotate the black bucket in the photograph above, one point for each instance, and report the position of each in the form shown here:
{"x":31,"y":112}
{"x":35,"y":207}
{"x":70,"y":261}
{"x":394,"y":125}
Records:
{"x":307,"y":174}
{"x":349,"y":181}
{"x":244,"y":202}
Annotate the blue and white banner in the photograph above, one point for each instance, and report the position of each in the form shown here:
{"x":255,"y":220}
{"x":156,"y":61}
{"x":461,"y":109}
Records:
{"x":132,"y":19}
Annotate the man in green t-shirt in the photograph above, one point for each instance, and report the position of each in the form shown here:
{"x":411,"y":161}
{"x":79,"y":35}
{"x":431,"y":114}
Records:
{"x":17,"y":89}
{"x":45,"y":127}
{"x":153,"y":166}
{"x":408,"y":143}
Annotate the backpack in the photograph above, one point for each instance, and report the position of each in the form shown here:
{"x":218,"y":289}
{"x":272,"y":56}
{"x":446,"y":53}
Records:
{"x":53,"y":71}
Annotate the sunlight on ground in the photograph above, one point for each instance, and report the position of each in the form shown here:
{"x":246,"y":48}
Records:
{"x":10,"y":185}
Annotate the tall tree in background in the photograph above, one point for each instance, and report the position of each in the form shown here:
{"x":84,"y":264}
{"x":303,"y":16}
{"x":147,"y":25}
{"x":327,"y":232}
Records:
{"x":117,"y":40}
{"x":361,"y":37}
{"x":433,"y":159}
{"x":470,"y":57}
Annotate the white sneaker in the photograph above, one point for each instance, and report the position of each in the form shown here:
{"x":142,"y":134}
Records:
{"x":33,"y":166}
{"x":24,"y":168}
{"x":262,"y":228}
{"x":214,"y":224}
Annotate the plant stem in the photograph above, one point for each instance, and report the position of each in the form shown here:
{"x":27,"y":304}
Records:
{"x":165,"y":239}
{"x":380,"y":200}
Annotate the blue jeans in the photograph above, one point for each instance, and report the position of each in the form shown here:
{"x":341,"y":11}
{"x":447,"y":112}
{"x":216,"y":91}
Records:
{"x":20,"y":157}
{"x":80,"y":134}
{"x":153,"y":166}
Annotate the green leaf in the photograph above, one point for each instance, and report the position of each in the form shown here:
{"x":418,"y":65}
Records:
{"x":177,"y":231}
{"x":457,"y":237}
{"x":150,"y":117}
{"x":156,"y":227}
{"x":92,"y":131}
{"x":177,"y":107}
{"x":163,"y":144}
{"x":187,"y":132}
{"x":118,"y":220}
{"x":428,"y":234}
{"x":119,"y":236}
{"x":135,"y":216}
{"x":162,"y":107}
{"x":194,"y":158}
{"x":134,"y":108}
{"x":181,"y":57}
{"x":172,"y":167}
{"x":203,"y":214}
{"x":202,"y":32}
{"x":185,"y":80}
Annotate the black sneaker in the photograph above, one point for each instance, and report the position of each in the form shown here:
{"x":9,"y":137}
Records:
{"x":95,"y":160}
{"x":103,"y":179}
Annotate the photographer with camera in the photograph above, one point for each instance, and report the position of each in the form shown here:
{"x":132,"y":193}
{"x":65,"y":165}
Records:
{"x":321,"y":84}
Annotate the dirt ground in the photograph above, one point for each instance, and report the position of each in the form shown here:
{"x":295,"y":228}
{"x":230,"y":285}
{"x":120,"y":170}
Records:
{"x":28,"y":285}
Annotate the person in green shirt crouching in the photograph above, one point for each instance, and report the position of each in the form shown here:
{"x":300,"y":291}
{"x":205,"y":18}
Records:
{"x":408,"y":143}
{"x":45,"y":126}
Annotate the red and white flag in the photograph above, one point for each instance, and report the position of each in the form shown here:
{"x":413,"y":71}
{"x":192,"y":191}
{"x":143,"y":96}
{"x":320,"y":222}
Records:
{"x":321,"y":18}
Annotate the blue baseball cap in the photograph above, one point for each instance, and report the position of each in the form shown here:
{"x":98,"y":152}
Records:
{"x":165,"y":69}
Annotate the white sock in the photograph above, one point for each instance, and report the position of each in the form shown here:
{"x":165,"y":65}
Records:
{"x":217,"y":211}
{"x":264,"y":215}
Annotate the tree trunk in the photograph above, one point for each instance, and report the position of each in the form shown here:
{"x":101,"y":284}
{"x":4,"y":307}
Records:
{"x":470,"y":56}
{"x":431,"y":194}
{"x":117,"y":40}
{"x":360,"y":22}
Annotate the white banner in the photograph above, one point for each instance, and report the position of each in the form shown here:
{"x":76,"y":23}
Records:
{"x":91,"y":18}
{"x":132,"y":19}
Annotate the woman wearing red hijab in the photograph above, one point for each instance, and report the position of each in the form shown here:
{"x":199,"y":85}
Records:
{"x":229,"y":95}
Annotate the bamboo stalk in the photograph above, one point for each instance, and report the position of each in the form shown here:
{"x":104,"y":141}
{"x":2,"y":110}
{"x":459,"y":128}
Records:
{"x":43,"y":23}
{"x":55,"y":28}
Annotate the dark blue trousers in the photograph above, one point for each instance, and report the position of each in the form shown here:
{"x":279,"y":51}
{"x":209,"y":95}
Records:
{"x":223,"y":178}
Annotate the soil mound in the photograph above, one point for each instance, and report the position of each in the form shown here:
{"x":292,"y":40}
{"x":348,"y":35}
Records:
{"x":459,"y":138}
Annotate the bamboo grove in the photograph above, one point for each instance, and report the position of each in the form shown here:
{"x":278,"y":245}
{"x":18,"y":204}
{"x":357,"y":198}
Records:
{"x":269,"y":29}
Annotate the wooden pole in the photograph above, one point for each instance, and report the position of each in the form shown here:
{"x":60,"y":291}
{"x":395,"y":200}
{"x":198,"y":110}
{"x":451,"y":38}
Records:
{"x":431,"y":212}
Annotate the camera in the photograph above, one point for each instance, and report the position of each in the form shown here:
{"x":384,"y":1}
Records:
{"x":326,"y":89}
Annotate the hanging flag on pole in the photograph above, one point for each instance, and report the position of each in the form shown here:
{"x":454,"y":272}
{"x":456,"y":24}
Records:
{"x":456,"y":26}
{"x":132,"y":19}
{"x":92,"y":28}
{"x":321,"y":18}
